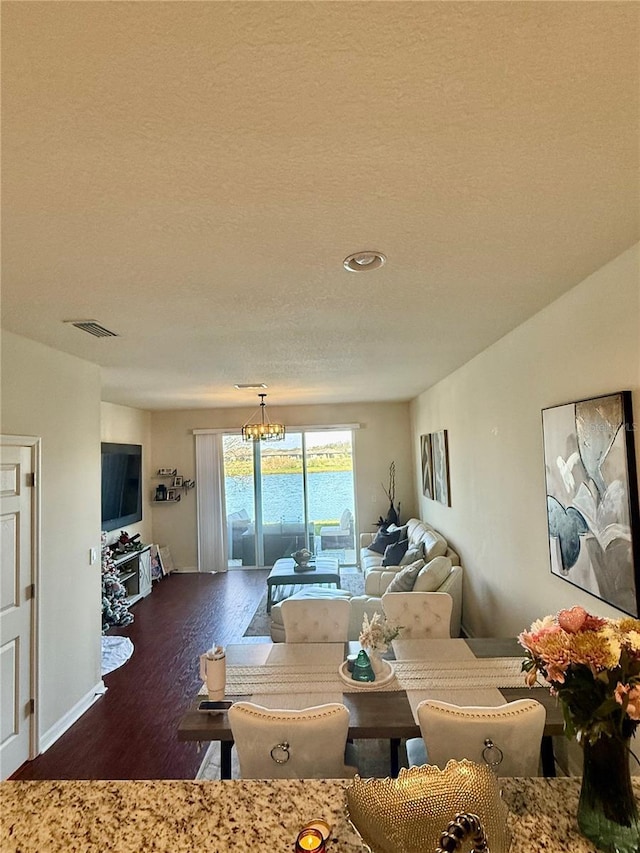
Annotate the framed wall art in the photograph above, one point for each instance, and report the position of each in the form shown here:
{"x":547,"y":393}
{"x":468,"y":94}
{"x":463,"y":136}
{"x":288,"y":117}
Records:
{"x":427,"y":467}
{"x":157,"y":569}
{"x":592,"y":497}
{"x":440,"y":463}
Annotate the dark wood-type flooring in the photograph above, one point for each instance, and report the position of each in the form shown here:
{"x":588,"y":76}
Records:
{"x":131,"y":732}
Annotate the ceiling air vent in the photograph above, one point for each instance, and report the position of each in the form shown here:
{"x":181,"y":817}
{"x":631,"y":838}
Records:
{"x":92,"y":328}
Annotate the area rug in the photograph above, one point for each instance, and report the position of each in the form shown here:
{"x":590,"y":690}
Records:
{"x":372,"y":757}
{"x":350,"y":579}
{"x":115,"y":652}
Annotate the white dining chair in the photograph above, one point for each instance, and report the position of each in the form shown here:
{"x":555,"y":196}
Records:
{"x":316,"y":620}
{"x":420,"y":615}
{"x":506,"y":737}
{"x":283,"y":744}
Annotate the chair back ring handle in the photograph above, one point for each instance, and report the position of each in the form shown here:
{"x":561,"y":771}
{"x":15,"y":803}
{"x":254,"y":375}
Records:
{"x":283,"y":749}
{"x":492,"y":755}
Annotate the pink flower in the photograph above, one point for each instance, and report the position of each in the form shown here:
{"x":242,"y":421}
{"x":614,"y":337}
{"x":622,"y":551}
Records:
{"x":556,"y":671}
{"x":620,"y":692}
{"x":572,"y":620}
{"x":631,"y":695}
{"x":633,"y":708}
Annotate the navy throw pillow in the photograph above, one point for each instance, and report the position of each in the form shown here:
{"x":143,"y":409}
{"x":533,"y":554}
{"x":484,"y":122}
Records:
{"x":383,"y":538}
{"x":394,"y":553}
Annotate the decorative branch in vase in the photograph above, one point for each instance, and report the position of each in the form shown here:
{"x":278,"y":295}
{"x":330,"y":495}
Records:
{"x":393,"y":514}
{"x":375,"y":636}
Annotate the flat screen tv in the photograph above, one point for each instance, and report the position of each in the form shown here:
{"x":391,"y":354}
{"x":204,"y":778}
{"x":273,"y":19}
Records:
{"x":121,"y":485}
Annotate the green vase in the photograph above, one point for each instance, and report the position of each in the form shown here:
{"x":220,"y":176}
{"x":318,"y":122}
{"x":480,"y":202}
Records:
{"x":607,"y":810}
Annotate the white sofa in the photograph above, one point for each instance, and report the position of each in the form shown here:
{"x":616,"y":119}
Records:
{"x":378,"y":578}
{"x":375,"y":585}
{"x":417,"y":532}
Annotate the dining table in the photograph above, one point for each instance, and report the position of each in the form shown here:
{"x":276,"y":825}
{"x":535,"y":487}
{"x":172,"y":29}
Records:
{"x":479,"y":671}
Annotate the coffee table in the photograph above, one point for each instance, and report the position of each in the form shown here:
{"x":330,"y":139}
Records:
{"x":325,"y":570}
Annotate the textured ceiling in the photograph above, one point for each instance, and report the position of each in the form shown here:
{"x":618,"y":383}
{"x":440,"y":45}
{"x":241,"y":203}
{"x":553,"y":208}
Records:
{"x":191,"y":176}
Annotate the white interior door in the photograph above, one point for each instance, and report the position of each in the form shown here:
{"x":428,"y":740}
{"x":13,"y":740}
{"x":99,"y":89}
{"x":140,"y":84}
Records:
{"x":16,"y":606}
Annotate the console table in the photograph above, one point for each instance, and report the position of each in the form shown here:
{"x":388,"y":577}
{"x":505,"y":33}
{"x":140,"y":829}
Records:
{"x":134,"y":572}
{"x":325,"y":570}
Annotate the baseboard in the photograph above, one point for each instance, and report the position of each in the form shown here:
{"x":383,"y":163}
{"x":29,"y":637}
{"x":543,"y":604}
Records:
{"x":72,"y":716}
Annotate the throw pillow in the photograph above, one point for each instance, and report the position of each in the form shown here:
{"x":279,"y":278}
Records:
{"x":435,"y":545}
{"x":415,"y":552}
{"x":405,"y":579}
{"x":383,"y":538}
{"x":433,"y":575}
{"x":393,"y":554}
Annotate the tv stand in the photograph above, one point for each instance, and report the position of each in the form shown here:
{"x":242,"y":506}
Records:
{"x":134,"y":572}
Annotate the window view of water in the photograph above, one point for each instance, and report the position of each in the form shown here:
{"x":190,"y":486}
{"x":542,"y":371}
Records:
{"x":330,"y":493}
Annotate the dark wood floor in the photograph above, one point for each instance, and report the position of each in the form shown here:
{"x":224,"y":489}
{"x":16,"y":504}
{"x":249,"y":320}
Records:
{"x":130,"y":733}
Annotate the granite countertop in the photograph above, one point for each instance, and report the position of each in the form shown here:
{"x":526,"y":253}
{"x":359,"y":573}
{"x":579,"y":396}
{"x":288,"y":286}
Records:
{"x":181,"y":816}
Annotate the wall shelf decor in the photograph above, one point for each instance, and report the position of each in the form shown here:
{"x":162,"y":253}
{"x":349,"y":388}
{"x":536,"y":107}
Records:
{"x":170,"y":492}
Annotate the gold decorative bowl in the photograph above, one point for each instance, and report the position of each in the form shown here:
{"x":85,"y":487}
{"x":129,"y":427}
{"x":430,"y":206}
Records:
{"x":411,"y":812}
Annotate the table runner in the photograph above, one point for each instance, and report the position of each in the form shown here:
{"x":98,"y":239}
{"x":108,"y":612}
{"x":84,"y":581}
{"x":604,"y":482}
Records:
{"x":478,"y":673}
{"x":293,"y":679}
{"x":323,"y":678}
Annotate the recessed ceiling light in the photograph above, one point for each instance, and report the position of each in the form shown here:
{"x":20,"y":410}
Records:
{"x":361,"y":261}
{"x":250,"y":386}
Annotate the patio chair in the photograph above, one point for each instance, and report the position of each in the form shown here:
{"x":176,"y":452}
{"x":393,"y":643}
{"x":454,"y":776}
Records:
{"x":316,"y":620}
{"x":283,"y":744}
{"x":338,"y":535}
{"x":507,"y":737}
{"x":422,"y":615}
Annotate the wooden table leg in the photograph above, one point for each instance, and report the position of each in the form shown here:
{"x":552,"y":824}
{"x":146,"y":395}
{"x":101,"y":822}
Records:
{"x":394,"y":756}
{"x":225,"y":759}
{"x":269,"y":588}
{"x":548,"y":758}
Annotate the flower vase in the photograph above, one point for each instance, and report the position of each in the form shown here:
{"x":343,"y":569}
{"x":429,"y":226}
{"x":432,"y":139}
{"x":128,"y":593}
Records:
{"x":607,"y":810}
{"x":376,"y":662}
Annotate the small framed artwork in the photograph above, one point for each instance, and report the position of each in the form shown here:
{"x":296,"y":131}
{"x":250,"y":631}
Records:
{"x":177,"y":482}
{"x":592,"y":497}
{"x":440,"y":463}
{"x":427,"y":466}
{"x":171,"y":494}
{"x":157,"y":567}
{"x":167,"y":560}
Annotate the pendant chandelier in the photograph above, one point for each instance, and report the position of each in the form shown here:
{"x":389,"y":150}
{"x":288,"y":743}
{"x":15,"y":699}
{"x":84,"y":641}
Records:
{"x":263,"y":430}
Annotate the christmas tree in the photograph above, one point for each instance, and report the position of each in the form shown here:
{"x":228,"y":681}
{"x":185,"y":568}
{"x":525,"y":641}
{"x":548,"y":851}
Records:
{"x":115,"y":610}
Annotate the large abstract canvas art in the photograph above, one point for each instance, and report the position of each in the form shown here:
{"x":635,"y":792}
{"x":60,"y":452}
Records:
{"x":427,"y":468}
{"x":440,"y":460}
{"x":592,"y":497}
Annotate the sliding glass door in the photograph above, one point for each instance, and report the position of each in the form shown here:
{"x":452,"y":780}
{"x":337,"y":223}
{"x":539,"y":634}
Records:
{"x":291,"y":494}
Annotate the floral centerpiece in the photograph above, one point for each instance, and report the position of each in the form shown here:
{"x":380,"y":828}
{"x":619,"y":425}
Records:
{"x":375,"y":636}
{"x":593,"y":666}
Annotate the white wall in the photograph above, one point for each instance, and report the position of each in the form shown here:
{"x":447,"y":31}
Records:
{"x":55,"y":396}
{"x":583,"y":345}
{"x":384,"y":436}
{"x":124,"y":425}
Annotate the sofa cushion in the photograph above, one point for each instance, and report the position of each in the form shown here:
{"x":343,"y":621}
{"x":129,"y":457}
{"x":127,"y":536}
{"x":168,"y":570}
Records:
{"x":435,"y":545}
{"x":393,"y":554}
{"x":405,"y":579}
{"x":432,"y":576}
{"x":383,"y":538}
{"x":413,"y":553}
